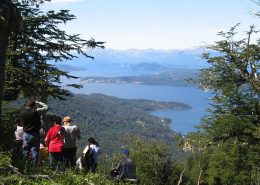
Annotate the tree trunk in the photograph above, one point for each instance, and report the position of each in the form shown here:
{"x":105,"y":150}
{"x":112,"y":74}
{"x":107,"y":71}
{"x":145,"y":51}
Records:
{"x":180,"y":179}
{"x":199,"y":177}
{"x":3,"y":47}
{"x":10,"y":21}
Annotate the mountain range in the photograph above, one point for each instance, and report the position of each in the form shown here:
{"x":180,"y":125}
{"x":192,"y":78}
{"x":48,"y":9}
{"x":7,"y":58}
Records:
{"x":133,"y":62}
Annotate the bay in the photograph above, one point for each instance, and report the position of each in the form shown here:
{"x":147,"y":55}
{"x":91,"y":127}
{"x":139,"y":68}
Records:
{"x":183,"y":121}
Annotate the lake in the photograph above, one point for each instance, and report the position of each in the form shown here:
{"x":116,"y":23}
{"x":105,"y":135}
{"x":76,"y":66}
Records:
{"x":183,"y":121}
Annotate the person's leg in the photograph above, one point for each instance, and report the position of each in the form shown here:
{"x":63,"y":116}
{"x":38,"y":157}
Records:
{"x":66,"y":156}
{"x":59,"y":157}
{"x":35,"y":147}
{"x":27,"y":140}
{"x":55,"y":158}
{"x":59,"y":161}
{"x":87,"y":166}
{"x":93,"y":167}
{"x":51,"y":159}
{"x":18,"y":150}
{"x":73,"y":157}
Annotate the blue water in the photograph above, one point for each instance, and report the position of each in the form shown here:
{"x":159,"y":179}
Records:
{"x":183,"y":121}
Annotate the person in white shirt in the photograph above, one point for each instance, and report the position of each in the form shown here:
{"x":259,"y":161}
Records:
{"x":19,"y":137}
{"x":19,"y":132}
{"x":89,"y":158}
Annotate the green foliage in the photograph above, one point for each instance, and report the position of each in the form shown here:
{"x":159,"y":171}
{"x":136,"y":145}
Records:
{"x":69,"y":177}
{"x":155,"y":165}
{"x":196,"y":164}
{"x":232,"y":128}
{"x":33,"y":52}
{"x":222,"y":165}
{"x":5,"y":159}
{"x":72,"y":177}
{"x":8,"y":127}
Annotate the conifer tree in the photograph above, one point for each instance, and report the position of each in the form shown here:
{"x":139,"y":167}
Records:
{"x":31,"y":70}
{"x":10,"y":21}
{"x":28,"y":56}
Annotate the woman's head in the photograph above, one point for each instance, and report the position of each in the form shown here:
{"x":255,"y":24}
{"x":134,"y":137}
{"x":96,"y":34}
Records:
{"x":92,"y":140}
{"x":58,"y":120}
{"x":18,"y":122}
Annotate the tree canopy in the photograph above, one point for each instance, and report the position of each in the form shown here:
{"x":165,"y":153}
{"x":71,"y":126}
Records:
{"x":33,"y":52}
{"x":232,"y":128}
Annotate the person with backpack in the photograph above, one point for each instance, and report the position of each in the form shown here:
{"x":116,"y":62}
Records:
{"x":54,"y":143}
{"x":89,"y":157}
{"x":31,"y":122}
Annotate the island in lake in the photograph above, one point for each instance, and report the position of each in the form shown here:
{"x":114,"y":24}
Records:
{"x":175,"y":78}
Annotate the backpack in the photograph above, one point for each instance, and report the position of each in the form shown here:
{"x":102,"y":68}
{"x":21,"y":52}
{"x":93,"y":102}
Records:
{"x":87,"y":159}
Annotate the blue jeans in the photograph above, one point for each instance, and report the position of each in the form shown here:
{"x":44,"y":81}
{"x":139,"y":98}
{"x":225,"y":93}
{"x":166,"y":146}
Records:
{"x":31,"y":143}
{"x":55,"y":157}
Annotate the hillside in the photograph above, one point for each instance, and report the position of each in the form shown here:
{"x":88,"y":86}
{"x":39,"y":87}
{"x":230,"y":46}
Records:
{"x":110,"y":119}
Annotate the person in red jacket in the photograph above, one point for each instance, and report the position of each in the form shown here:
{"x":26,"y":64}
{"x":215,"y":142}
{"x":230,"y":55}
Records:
{"x":54,"y":142}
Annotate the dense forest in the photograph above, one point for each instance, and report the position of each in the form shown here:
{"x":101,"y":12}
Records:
{"x":224,"y":151}
{"x":109,"y":119}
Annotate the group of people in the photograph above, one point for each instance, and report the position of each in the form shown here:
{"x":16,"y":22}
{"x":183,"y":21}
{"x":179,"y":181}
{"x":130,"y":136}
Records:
{"x":60,"y":141}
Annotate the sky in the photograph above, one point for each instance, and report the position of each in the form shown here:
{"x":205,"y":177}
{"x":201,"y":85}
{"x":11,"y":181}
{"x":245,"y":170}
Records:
{"x":157,"y":24}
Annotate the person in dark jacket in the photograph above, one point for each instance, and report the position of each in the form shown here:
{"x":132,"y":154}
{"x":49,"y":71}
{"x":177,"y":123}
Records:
{"x":125,"y":170}
{"x":31,"y":122}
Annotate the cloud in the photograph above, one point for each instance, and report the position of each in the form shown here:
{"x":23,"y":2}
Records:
{"x":64,"y":1}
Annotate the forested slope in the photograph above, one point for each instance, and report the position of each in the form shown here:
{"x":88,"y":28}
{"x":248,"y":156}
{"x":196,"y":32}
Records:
{"x":110,"y":119}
